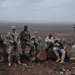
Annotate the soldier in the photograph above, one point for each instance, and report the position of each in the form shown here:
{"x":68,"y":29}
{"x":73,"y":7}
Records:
{"x":25,"y":42}
{"x":25,"y":38}
{"x":49,"y":41}
{"x":60,"y":45}
{"x":49,"y":44}
{"x":13,"y":42}
{"x":73,"y":45}
{"x":37,"y":41}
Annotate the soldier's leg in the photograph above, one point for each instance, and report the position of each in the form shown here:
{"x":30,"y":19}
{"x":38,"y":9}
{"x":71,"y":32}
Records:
{"x":23,"y":51}
{"x":9,"y":59}
{"x":47,"y":49}
{"x":4,"y":53}
{"x":18,"y":57}
{"x":9,"y":55}
{"x":63,"y":55}
{"x":73,"y":53}
{"x":23,"y":48}
{"x":55,"y":49}
{"x":24,"y":57}
{"x":32,"y":50}
{"x":32,"y":53}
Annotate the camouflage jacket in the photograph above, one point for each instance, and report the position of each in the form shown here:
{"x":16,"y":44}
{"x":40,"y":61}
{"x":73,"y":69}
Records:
{"x":61,"y":41}
{"x":24,"y":36}
{"x":9,"y":39}
{"x":37,"y":41}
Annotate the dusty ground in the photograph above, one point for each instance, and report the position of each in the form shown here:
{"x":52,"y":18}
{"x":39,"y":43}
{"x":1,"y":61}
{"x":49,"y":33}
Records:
{"x":50,"y":68}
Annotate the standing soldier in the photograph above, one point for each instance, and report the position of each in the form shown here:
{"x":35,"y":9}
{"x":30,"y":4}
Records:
{"x":73,"y":45}
{"x":13,"y":41}
{"x":60,"y":45}
{"x":25,"y":40}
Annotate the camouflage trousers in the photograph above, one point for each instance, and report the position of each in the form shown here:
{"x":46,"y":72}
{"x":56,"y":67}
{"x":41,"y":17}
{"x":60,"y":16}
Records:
{"x":12,"y":52}
{"x":56,"y":49}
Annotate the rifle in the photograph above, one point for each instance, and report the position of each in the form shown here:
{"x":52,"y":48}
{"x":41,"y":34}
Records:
{"x":14,"y":43}
{"x":35,"y":44}
{"x":60,"y":44}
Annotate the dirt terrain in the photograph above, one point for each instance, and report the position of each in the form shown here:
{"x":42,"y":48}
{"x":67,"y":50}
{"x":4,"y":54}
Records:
{"x":50,"y":68}
{"x":44,"y":68}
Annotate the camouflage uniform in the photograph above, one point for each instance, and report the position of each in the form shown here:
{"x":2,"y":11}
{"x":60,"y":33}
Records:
{"x":26,"y":45}
{"x":9,"y":39}
{"x":37,"y":42}
{"x":49,"y":42}
{"x":60,"y":48}
{"x":25,"y":39}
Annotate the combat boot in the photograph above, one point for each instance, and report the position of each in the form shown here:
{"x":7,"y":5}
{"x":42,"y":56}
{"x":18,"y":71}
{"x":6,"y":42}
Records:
{"x":19,"y":62}
{"x":9,"y":64}
{"x":72,"y":58}
{"x":58,"y":59}
{"x":62,"y":61}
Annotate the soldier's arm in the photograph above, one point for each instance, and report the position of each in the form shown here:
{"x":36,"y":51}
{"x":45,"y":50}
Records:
{"x":64,"y":43}
{"x":18,"y":39}
{"x":52,"y":40}
{"x":46,"y":40}
{"x":8,"y":39}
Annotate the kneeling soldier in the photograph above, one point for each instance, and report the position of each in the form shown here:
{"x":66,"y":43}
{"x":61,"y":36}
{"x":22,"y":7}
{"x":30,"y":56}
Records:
{"x":60,"y":45}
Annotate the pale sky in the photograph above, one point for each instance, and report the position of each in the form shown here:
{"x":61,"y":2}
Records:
{"x":37,"y":10}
